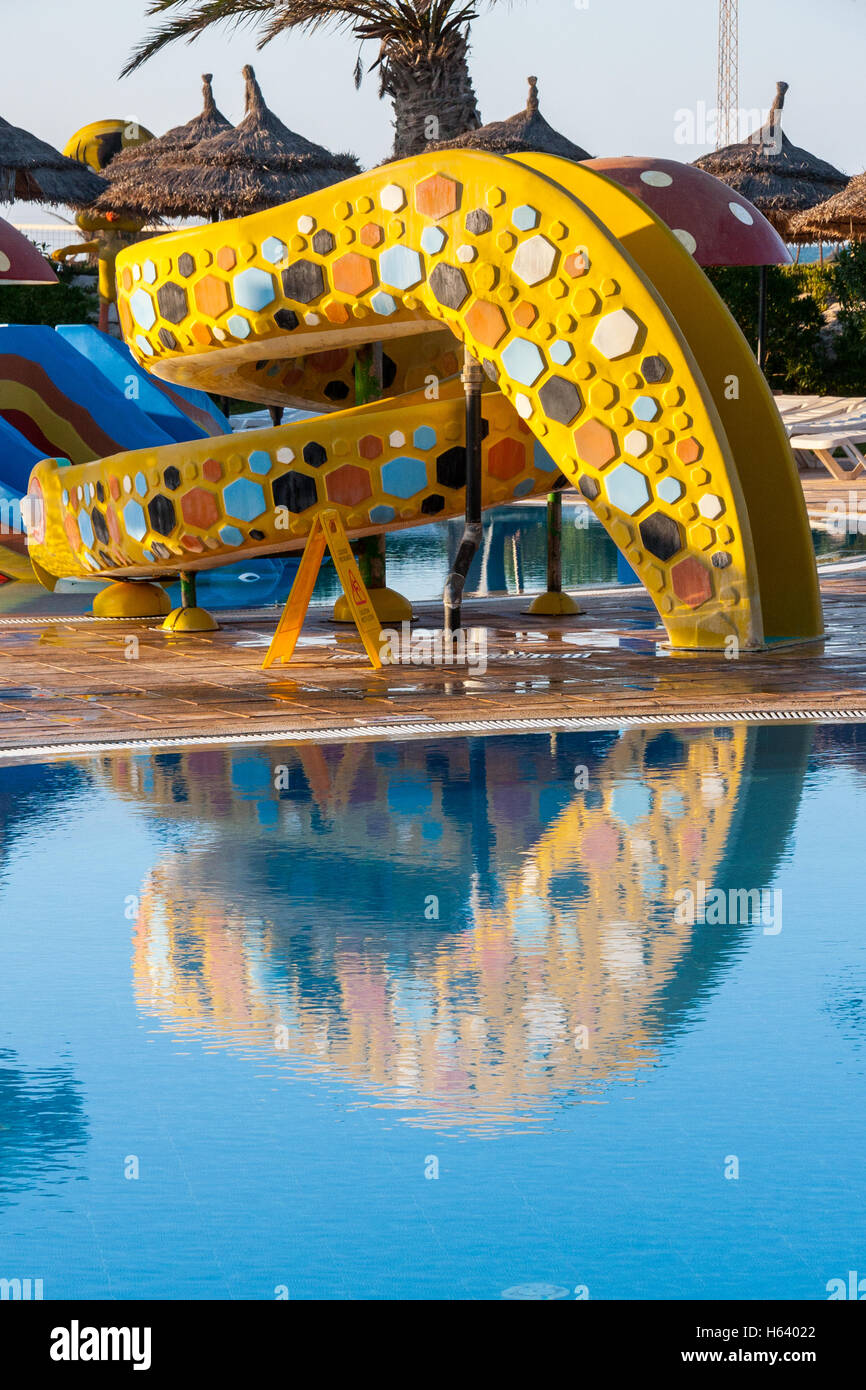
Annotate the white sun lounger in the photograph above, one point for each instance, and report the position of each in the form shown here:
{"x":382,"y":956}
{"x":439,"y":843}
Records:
{"x":825,"y":432}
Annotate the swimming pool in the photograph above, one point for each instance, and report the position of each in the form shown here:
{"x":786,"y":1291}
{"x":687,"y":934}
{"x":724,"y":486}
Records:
{"x":429,"y":1019}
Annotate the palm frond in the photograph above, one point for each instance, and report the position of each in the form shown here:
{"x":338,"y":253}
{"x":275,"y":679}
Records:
{"x":430,"y":24}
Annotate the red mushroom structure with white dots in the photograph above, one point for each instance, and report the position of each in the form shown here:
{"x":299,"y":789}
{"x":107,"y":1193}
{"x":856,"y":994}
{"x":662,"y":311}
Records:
{"x":20,"y":262}
{"x":717,"y":225}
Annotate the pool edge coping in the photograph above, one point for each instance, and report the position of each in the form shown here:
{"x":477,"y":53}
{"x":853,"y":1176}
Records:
{"x":412,"y":729}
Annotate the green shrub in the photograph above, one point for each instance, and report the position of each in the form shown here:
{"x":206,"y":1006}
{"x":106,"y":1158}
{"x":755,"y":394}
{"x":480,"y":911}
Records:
{"x":796,"y":354}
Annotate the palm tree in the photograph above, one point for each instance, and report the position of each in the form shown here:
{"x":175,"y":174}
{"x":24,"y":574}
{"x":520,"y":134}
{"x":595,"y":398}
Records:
{"x":423,"y":47}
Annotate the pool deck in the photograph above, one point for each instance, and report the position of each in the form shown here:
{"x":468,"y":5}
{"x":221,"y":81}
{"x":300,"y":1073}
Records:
{"x":71,"y":685}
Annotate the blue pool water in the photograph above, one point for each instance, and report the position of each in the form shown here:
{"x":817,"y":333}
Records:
{"x":419,"y":1019}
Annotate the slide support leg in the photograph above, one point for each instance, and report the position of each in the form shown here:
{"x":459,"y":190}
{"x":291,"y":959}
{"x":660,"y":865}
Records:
{"x":189,"y":617}
{"x":554,"y":603}
{"x":187,"y":589}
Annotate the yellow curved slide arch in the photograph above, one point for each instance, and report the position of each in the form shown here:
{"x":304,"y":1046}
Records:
{"x":563,"y":287}
{"x":766,"y":467}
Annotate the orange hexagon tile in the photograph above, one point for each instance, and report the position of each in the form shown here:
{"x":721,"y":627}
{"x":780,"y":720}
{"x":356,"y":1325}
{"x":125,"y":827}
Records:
{"x":688,"y":450}
{"x":70,"y":526}
{"x":371,"y":234}
{"x":370,"y":447}
{"x":353,"y":273}
{"x":691,"y":582}
{"x":596,"y":444}
{"x":436,"y":196}
{"x":199,"y":508}
{"x":212,"y":470}
{"x":486,"y":322}
{"x":525,"y":314}
{"x":212,"y":296}
{"x":226,"y":258}
{"x":506,"y":459}
{"x":349,"y":484}
{"x":576,"y":265}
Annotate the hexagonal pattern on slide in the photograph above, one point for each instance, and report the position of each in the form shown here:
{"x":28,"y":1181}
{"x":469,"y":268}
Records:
{"x":692,"y":582}
{"x":404,"y":476}
{"x":535,"y":260}
{"x":353,"y":273}
{"x":349,"y":485}
{"x":486,"y":322}
{"x":199,"y":508}
{"x":506,"y":459}
{"x":243,"y":499}
{"x":212,"y":296}
{"x":596,"y":444}
{"x":296,"y":491}
{"x":370,"y":447}
{"x":616,"y":334}
{"x":627,"y":488}
{"x":661,"y":535}
{"x":436,"y":196}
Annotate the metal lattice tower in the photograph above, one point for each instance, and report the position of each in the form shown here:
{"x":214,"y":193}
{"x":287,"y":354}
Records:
{"x":728,"y":85}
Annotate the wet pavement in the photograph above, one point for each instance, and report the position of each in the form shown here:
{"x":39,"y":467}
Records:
{"x":67,"y":681}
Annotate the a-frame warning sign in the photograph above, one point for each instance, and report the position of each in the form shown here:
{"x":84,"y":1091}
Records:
{"x":327,"y":530}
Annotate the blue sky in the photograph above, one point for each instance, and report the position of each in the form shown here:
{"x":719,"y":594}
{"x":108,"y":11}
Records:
{"x":612,"y":73}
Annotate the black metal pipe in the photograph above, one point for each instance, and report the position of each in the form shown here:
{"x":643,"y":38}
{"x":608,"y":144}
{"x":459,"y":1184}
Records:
{"x":471,"y":538}
{"x":762,"y":317}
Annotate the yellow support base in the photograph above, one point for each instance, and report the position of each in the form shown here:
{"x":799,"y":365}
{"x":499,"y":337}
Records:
{"x":552,"y":605}
{"x":188,"y":620}
{"x":388,"y":605}
{"x":129,"y":600}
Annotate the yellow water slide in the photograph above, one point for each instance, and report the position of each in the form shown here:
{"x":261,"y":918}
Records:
{"x":609,"y":358}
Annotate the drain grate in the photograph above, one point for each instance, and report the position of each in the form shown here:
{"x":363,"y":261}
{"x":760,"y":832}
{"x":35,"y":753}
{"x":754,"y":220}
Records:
{"x":429,"y":729}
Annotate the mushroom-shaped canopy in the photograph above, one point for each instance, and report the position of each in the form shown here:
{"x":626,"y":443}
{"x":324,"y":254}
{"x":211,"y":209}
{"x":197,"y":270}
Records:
{"x":718,"y":225}
{"x":20,"y":262}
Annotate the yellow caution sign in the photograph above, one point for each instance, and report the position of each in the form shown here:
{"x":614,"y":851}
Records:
{"x":327,"y":530}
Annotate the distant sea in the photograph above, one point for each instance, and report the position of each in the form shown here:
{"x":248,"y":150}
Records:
{"x":810,"y":254}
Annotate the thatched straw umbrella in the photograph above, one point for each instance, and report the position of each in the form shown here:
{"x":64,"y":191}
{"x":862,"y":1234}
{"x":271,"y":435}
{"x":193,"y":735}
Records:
{"x":138,"y":176}
{"x":527,"y":132}
{"x":840,"y":218}
{"x":32,"y":171}
{"x":779,"y":178}
{"x":258,"y":164}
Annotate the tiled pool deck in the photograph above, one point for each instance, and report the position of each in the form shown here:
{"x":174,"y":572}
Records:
{"x":66,"y":682}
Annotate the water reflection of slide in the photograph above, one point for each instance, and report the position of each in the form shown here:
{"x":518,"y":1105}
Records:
{"x":303,"y":910}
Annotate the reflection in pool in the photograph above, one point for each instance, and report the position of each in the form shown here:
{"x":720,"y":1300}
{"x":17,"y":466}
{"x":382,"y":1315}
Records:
{"x":419,"y":1019}
{"x":512,"y":559}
